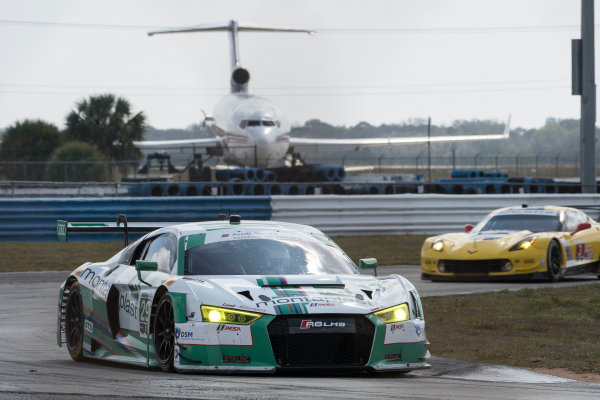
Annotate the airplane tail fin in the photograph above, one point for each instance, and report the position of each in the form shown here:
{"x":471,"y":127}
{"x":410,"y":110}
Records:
{"x":239,"y":75}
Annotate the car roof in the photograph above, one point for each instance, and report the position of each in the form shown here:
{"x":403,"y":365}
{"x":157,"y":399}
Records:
{"x":540,"y":210}
{"x":194,"y":228}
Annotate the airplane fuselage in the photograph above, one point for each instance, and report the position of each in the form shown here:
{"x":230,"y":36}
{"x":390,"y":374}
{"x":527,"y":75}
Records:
{"x":255,"y":131}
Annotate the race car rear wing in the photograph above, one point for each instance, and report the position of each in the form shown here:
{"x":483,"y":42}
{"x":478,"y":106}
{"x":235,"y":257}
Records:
{"x":64,"y":228}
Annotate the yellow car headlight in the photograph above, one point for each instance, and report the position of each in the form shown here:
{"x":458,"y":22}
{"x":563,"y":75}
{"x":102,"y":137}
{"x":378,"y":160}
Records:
{"x":438,"y":245}
{"x":524,"y":244}
{"x":393,"y":314}
{"x":227,"y":315}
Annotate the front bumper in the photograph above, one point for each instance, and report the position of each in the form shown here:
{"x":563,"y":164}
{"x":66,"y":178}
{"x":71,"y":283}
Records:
{"x":483,"y":268}
{"x":268,"y":346}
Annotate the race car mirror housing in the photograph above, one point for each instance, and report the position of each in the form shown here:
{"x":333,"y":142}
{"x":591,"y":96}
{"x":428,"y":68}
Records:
{"x":368,"y":263}
{"x":581,"y":227}
{"x":468,"y":228}
{"x":141,"y":265}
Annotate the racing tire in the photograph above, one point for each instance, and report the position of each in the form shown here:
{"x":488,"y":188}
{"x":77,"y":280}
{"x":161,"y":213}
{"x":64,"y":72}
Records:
{"x":164,"y":333}
{"x":554,"y":261}
{"x":74,"y":323}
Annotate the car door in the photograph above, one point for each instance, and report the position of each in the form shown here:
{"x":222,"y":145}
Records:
{"x":130,"y":298}
{"x":584,"y":245}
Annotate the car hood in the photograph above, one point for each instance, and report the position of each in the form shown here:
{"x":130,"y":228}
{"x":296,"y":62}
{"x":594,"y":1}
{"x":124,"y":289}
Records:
{"x":488,"y":241}
{"x":300,"y":294}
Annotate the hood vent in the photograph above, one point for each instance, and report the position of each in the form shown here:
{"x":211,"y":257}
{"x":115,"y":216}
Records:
{"x":369,"y":293}
{"x":246,"y":294}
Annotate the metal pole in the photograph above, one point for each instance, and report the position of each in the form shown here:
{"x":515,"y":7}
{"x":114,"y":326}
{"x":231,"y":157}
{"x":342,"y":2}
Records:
{"x":429,"y":149}
{"x":588,"y":99}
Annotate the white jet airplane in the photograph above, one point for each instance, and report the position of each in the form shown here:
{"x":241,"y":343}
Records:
{"x":252,"y":131}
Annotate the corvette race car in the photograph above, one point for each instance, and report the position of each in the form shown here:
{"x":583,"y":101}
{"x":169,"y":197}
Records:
{"x":232,"y":295}
{"x":517,"y":242}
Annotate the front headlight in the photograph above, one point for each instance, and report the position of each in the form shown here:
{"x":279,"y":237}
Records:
{"x":524,"y":244}
{"x":393,"y":314}
{"x":227,"y":315}
{"x":438,"y":245}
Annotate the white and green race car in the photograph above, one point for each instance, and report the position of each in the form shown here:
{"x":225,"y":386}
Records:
{"x":232,"y":295}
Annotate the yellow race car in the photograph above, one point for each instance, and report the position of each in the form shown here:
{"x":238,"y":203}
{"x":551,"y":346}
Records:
{"x":516,"y":242}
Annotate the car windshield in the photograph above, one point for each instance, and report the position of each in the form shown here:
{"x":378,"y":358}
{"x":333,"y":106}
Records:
{"x":267,"y":257}
{"x":520,"y":222}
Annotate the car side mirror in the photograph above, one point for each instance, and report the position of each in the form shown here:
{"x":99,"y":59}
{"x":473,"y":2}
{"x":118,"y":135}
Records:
{"x":368,"y":263}
{"x":582,"y":227}
{"x":142,"y":265}
{"x":468,"y":228}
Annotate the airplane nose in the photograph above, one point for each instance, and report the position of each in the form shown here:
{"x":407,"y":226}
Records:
{"x":265,"y":141}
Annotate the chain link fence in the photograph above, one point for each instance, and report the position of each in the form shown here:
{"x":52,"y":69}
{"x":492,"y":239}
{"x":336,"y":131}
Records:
{"x":540,"y":165}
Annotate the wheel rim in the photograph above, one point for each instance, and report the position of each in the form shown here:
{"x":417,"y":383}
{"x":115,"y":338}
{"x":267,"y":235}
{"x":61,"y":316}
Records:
{"x":163,"y":333}
{"x":554,"y":260}
{"x":74,"y":319}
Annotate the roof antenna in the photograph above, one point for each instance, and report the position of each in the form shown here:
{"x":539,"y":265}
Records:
{"x":524,"y":205}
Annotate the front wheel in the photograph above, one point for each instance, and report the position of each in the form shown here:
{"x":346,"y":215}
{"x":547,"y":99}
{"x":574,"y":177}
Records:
{"x":74,"y":323}
{"x":554,"y":261}
{"x":164,"y":333}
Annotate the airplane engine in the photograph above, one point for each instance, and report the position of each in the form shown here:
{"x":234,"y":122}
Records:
{"x":240,"y":76}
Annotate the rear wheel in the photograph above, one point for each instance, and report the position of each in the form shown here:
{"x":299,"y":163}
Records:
{"x":554,"y":261}
{"x":164,"y":333}
{"x":74,"y":323}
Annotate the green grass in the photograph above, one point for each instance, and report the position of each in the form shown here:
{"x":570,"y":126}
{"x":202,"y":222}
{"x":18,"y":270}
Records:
{"x":53,"y":256}
{"x":531,"y":328}
{"x":59,"y":256}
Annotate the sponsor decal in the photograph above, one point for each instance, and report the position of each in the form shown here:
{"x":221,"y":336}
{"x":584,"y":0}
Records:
{"x":229,"y":328}
{"x":236,"y":359}
{"x":420,"y":330}
{"x":169,"y":282}
{"x":129,"y":306}
{"x":321,"y":325}
{"x":225,"y":235}
{"x":183,"y":334}
{"x":321,"y":305}
{"x":310,"y":299}
{"x":393,"y":357}
{"x":99,"y":285}
{"x":396,"y":327}
{"x":88,"y":326}
{"x":579,"y":251}
{"x":309,"y":323}
{"x":176,"y":354}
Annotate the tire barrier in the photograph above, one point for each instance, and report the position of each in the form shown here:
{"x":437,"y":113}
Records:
{"x":330,"y":180}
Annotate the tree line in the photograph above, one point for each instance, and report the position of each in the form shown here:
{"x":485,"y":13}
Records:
{"x":101,"y":128}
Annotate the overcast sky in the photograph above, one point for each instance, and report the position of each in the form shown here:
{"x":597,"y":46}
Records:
{"x":379,"y":61}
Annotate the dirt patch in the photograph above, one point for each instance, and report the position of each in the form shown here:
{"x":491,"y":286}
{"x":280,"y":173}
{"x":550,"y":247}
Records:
{"x":565,"y":373}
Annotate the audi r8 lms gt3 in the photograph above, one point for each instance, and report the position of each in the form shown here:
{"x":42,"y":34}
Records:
{"x":517,"y":242}
{"x":238,"y":295}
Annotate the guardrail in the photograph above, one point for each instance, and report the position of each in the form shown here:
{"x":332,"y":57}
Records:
{"x":409,"y":213}
{"x":34,"y":219}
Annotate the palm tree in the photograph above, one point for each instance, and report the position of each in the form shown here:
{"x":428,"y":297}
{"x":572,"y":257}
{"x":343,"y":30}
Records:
{"x":105,"y":121}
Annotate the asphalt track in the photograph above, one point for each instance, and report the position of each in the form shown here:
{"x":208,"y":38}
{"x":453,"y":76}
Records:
{"x":33,"y":367}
